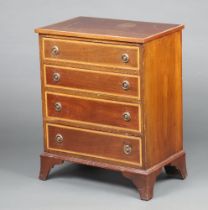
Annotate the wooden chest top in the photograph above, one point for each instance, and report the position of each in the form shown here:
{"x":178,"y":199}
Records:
{"x":109,"y":29}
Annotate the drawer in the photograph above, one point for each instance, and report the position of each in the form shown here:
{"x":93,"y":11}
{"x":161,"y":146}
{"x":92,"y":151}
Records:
{"x":94,"y":144}
{"x":92,"y":80}
{"x":88,"y":110}
{"x":91,"y":53}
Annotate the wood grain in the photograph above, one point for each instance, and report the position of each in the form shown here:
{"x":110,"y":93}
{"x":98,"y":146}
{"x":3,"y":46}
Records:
{"x":177,"y":168}
{"x":91,"y":53}
{"x":143,"y":179}
{"x":94,"y":111}
{"x":94,"y":126}
{"x":144,"y":183}
{"x":98,"y":145}
{"x":46,"y":163}
{"x":162,"y":98}
{"x":93,"y":94}
{"x":110,"y":83}
{"x":110,"y":29}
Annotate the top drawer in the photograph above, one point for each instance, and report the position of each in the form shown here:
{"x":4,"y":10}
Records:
{"x":117,"y":56}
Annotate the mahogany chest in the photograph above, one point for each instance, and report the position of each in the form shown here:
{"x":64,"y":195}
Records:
{"x":112,"y":97}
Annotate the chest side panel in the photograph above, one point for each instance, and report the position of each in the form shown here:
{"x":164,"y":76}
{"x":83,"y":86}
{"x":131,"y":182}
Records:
{"x":162,"y":98}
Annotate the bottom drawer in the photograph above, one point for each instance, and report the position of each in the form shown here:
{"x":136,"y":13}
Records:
{"x":94,"y":144}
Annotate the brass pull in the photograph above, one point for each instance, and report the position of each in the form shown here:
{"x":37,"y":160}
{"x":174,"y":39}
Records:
{"x":125,"y":58}
{"x":56,"y":77}
{"x":126,"y":116}
{"x":54,"y":50}
{"x":125,"y":85}
{"x":127,"y":149}
{"x":58,"y":106}
{"x":59,"y":138}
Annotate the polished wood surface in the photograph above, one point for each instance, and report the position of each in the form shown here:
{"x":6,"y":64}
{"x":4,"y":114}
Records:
{"x":93,"y":111}
{"x":110,"y":29}
{"x":109,"y":83}
{"x":144,"y":183}
{"x":46,"y":164}
{"x":162,"y":98}
{"x":93,"y":101}
{"x":144,"y":180}
{"x":93,"y":144}
{"x":94,"y":126}
{"x":91,"y":53}
{"x":177,"y":168}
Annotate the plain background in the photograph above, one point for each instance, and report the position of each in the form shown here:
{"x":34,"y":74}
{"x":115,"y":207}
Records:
{"x":81,"y":187}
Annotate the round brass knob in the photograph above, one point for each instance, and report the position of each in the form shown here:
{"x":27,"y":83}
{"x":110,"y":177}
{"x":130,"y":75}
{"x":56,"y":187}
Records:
{"x":54,"y":51}
{"x":125,"y":85}
{"x":59,"y":138}
{"x":126,"y":116}
{"x":58,"y":106}
{"x":127,"y":149}
{"x":125,"y":58}
{"x":56,"y":77}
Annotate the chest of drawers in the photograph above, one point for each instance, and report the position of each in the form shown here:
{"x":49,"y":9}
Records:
{"x":112,"y":97}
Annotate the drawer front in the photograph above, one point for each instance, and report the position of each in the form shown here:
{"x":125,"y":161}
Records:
{"x":91,"y":80}
{"x":94,"y":144}
{"x":93,"y":111}
{"x":91,"y":53}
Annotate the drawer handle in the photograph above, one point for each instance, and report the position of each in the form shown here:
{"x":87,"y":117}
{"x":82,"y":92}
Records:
{"x":56,"y":77}
{"x":125,"y":58}
{"x":58,"y":106}
{"x":54,"y":50}
{"x":126,"y":116}
{"x":125,"y":85}
{"x":127,"y":149}
{"x":59,"y":138}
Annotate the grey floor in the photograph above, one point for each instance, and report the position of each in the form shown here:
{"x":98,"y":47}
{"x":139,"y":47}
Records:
{"x":79,"y":187}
